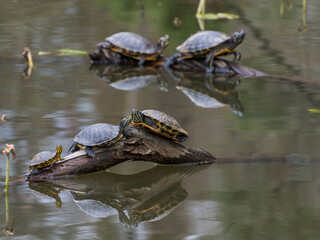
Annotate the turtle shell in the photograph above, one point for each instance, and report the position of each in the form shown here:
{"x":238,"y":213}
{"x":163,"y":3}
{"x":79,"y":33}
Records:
{"x":97,"y":134}
{"x":203,"y":41}
{"x":162,"y":124}
{"x":132,"y":43}
{"x":45,"y":159}
{"x":42,"y":157}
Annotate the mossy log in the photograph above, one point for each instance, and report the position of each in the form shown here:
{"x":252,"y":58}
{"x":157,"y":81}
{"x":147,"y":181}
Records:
{"x":140,"y":145}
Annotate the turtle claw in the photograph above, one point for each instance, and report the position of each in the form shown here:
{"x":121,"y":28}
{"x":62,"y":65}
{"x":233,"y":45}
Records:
{"x":90,"y":151}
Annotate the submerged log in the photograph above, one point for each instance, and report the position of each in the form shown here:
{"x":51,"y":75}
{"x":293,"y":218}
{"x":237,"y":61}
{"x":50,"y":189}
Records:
{"x":105,"y":56}
{"x":140,"y":145}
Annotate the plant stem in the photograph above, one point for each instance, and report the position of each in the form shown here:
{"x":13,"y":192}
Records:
{"x":7,"y":173}
{"x":7,"y":209}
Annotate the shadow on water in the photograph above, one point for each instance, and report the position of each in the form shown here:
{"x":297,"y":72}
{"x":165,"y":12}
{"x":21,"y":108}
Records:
{"x":147,"y":196}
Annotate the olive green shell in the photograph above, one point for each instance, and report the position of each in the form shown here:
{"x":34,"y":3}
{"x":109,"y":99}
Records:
{"x":45,"y":158}
{"x":132,"y":43}
{"x":203,"y":42}
{"x":42,"y":157}
{"x":97,"y":135}
{"x":163,"y":124}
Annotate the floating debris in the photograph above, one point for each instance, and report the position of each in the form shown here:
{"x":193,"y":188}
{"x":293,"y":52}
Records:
{"x":4,"y":118}
{"x":177,"y":21}
{"x":28,"y":56}
{"x":314,"y":110}
{"x":213,"y":16}
{"x":63,"y":52}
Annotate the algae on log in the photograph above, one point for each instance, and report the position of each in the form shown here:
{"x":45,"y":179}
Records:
{"x":141,"y":146}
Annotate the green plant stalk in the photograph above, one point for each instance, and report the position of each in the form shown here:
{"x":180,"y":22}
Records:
{"x":304,"y":22}
{"x":7,"y":173}
{"x":7,"y":209}
{"x":201,"y":8}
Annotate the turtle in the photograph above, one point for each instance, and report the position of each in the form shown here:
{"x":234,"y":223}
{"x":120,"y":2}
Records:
{"x":160,"y":123}
{"x":45,"y":159}
{"x":98,"y":135}
{"x":208,"y":45}
{"x":135,"y":46}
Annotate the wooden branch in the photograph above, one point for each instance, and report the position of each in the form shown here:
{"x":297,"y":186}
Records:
{"x":140,"y":145}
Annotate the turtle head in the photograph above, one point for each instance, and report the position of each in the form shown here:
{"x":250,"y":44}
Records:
{"x":136,"y":116}
{"x":237,"y":38}
{"x":59,"y":150}
{"x":163,"y":42}
{"x":125,"y":122}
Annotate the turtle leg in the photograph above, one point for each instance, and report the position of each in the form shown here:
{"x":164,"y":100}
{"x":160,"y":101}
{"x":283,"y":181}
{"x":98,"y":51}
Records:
{"x":171,"y":60}
{"x":237,"y":57}
{"x":90,"y":151}
{"x":141,"y":62}
{"x":208,"y":63}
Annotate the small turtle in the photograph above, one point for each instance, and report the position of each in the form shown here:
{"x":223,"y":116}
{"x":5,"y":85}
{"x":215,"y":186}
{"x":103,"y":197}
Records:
{"x":135,"y":46}
{"x":45,"y":159}
{"x":208,"y":45}
{"x":159,"y":123}
{"x":98,"y":135}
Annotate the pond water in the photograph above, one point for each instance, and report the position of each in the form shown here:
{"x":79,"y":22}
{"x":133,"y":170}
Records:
{"x":266,"y":184}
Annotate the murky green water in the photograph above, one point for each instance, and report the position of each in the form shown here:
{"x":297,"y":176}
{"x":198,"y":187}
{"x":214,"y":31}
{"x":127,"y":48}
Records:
{"x":266,"y":185}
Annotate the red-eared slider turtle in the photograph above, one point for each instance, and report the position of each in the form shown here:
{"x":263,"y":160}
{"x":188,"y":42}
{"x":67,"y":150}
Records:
{"x":98,"y":135}
{"x":208,"y":45}
{"x":45,"y":159}
{"x":159,"y":123}
{"x":135,"y":46}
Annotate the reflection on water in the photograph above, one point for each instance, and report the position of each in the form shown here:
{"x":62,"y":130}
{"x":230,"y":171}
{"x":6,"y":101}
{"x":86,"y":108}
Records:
{"x":209,"y":91}
{"x":147,"y":196}
{"x":205,"y":90}
{"x":130,"y":78}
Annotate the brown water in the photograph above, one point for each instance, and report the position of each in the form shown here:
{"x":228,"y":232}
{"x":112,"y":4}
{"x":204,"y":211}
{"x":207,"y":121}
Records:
{"x":266,"y":185}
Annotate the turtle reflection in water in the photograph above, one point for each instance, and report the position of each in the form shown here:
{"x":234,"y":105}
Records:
{"x":47,"y":189}
{"x":211,"y":92}
{"x":154,"y":209}
{"x":129,"y":79}
{"x":157,"y":207}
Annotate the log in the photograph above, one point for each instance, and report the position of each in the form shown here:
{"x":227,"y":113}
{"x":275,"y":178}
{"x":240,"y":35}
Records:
{"x":140,"y":145}
{"x":106,"y":57}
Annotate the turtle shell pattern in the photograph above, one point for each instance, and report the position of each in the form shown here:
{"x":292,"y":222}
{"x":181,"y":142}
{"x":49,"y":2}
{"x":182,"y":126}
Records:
{"x":97,"y":135}
{"x":202,"y":42}
{"x":163,"y":124}
{"x":131,"y":43}
{"x":45,"y":159}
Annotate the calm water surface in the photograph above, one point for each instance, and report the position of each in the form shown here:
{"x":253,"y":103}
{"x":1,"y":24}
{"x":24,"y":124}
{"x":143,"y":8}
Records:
{"x":266,"y":185}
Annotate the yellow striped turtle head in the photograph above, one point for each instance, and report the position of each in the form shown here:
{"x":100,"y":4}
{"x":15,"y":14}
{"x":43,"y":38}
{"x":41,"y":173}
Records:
{"x":124,"y":123}
{"x":237,"y":38}
{"x":137,"y":116}
{"x":163,"y":42}
{"x":59,"y":150}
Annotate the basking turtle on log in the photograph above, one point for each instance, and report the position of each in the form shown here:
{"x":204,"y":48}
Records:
{"x":138,"y":145}
{"x":208,"y":45}
{"x":135,"y":46}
